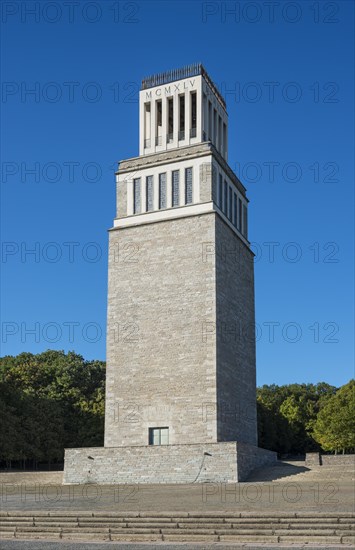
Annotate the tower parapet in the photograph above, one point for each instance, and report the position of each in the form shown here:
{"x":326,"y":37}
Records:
{"x":179,"y":108}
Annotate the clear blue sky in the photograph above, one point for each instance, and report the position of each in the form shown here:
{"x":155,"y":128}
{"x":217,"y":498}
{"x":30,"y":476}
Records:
{"x":290,"y":140}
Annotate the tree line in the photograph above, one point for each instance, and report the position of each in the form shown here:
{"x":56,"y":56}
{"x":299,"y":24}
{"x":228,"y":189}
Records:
{"x":55,"y":400}
{"x":300,"y":418}
{"x":48,"y":402}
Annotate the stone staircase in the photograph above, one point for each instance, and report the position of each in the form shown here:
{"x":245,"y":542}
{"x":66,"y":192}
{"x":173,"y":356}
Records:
{"x":200,"y":527}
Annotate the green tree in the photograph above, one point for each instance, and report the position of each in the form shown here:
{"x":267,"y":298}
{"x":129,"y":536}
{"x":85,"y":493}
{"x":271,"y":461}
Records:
{"x":49,"y":401}
{"x":334,"y":428}
{"x":286,"y":415}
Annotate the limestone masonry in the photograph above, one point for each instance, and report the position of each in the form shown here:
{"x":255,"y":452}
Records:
{"x":181,"y":374}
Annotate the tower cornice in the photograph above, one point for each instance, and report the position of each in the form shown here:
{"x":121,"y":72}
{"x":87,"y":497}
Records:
{"x":183,"y":153}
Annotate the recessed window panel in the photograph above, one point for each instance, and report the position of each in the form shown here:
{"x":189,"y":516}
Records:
{"x":230,"y":204}
{"x":162,"y":191}
{"x":175,"y":188}
{"x":136,"y":195}
{"x":149,"y":193}
{"x":225,"y":202}
{"x":220,"y":192}
{"x":240,"y":215}
{"x":235,"y":210}
{"x":245,"y":221}
{"x":193,"y":110}
{"x":188,"y":185}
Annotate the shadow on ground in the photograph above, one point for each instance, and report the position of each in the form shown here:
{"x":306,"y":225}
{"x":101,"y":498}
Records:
{"x":277,"y":472}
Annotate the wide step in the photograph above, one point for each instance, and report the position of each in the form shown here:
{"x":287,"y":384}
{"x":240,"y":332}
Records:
{"x":211,"y":527}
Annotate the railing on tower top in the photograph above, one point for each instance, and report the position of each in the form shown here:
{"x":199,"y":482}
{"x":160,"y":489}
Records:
{"x":178,"y":74}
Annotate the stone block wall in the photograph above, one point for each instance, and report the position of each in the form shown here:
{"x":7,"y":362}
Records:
{"x":250,"y":457}
{"x":313,"y":459}
{"x":236,"y":361}
{"x":152,"y":464}
{"x":317,"y":459}
{"x":329,"y":460}
{"x":211,"y":462}
{"x":161,"y":371}
{"x":180,"y":336}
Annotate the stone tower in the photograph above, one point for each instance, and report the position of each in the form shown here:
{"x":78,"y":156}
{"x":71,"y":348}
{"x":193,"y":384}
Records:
{"x":180,"y":336}
{"x":180,"y":383}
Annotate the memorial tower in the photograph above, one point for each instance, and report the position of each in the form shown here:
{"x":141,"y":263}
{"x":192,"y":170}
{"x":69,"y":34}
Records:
{"x":180,"y":382}
{"x":180,"y":337}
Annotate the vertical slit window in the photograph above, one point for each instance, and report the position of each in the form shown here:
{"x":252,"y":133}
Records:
{"x":149,"y":193}
{"x":209,"y":121}
{"x":225,"y":202}
{"x":188,"y":185}
{"x":205,"y":117}
{"x":245,"y":221}
{"x":224,"y":152}
{"x":136,"y":195}
{"x":221,"y":145}
{"x":220,"y":192}
{"x":182,"y":117}
{"x":240,"y":215}
{"x":159,"y":122}
{"x":170,"y":120}
{"x":175,"y":188}
{"x":214,"y":126}
{"x":193,"y":114}
{"x":147,"y":125}
{"x":230,"y":204}
{"x":214,"y":184}
{"x":219,"y":133}
{"x":235,"y":210}
{"x":162,"y":191}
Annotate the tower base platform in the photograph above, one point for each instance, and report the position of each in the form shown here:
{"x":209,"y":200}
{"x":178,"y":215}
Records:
{"x":226,"y":462}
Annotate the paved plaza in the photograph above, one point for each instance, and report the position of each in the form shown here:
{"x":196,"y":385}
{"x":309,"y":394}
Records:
{"x":287,"y":486}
